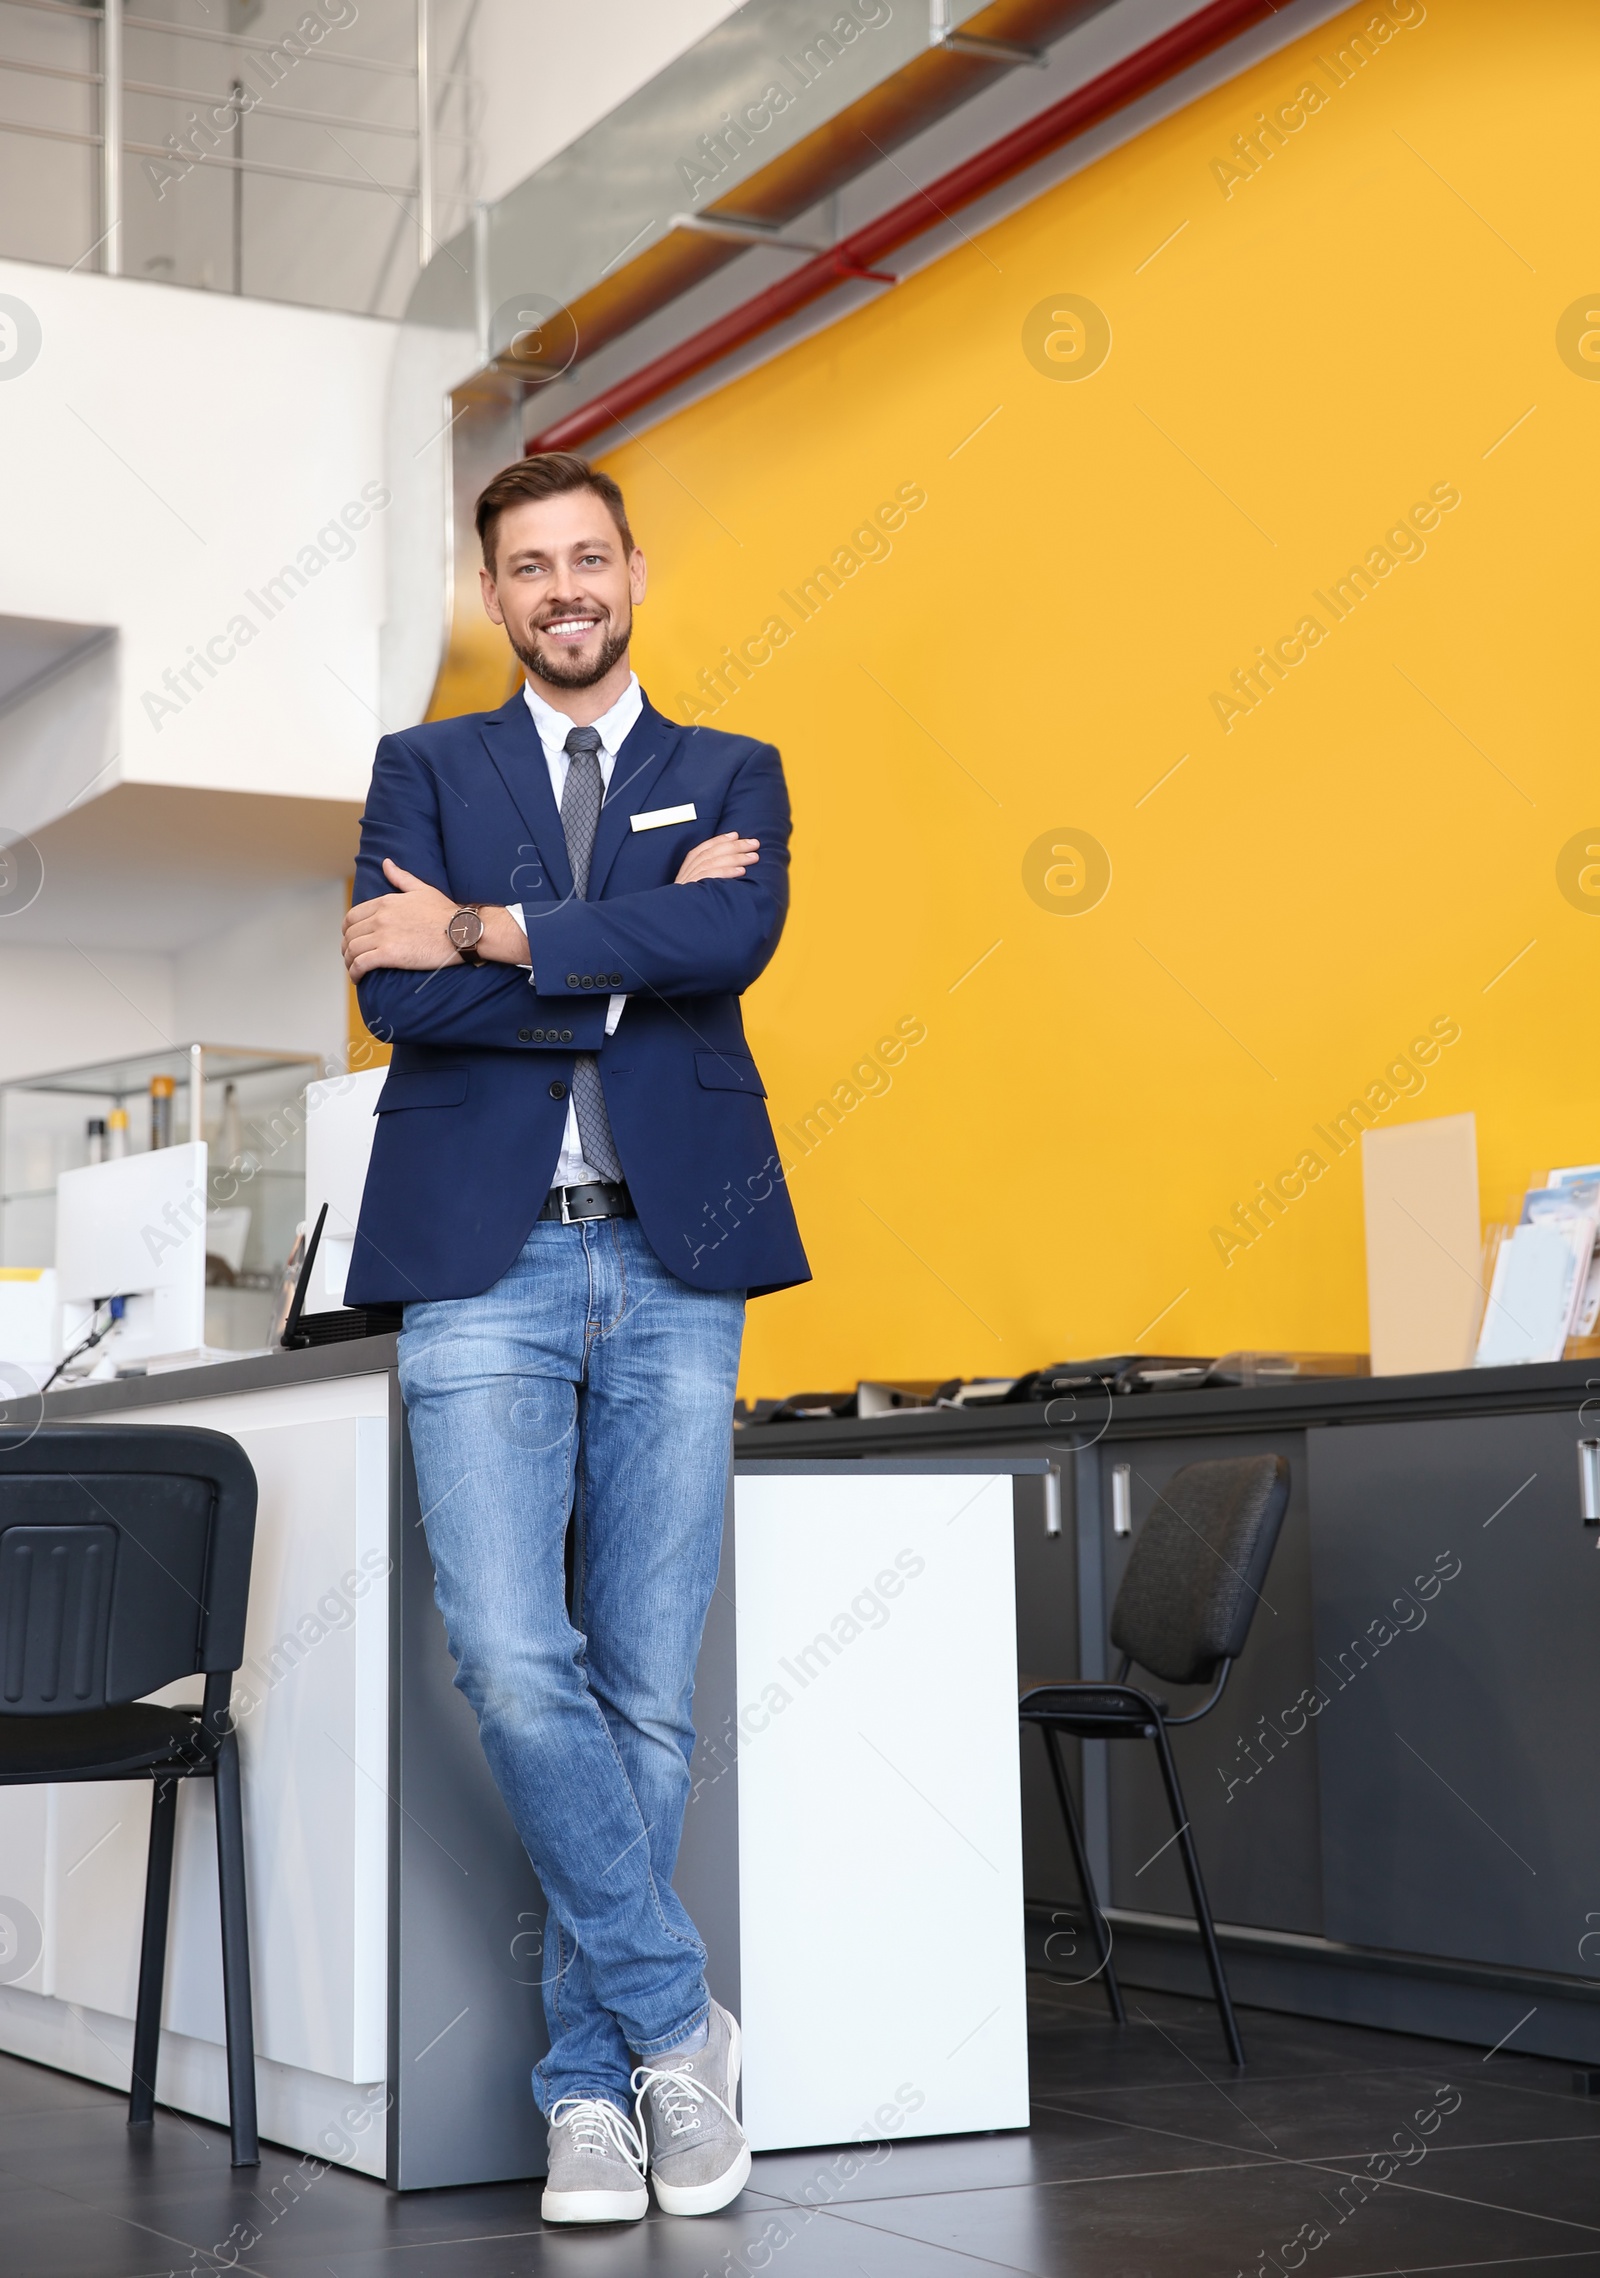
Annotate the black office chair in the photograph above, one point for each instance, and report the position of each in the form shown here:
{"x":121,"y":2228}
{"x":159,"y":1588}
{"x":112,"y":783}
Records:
{"x":1188,"y":1596}
{"x":125,"y":1565}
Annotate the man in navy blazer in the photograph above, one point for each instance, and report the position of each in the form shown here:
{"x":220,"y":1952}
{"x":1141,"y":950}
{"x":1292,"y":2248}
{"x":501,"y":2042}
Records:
{"x":574,"y":1186}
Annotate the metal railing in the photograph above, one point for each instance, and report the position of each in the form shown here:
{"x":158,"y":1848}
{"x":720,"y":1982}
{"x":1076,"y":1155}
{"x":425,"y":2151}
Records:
{"x":262,"y":63}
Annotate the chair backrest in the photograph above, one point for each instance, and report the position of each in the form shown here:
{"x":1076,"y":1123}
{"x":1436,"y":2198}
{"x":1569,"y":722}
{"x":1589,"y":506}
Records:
{"x":124,"y":1563}
{"x":1194,"y":1577}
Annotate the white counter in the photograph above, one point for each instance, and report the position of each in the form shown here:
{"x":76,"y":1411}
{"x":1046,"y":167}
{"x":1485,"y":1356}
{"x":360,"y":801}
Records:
{"x":312,"y":1705}
{"x":852,"y":1850}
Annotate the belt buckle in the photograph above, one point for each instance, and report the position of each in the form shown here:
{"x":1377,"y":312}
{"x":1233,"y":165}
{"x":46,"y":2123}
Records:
{"x":567,"y":1218}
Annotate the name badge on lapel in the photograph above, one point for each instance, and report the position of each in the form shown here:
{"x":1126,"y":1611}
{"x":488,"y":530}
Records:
{"x":657,"y":818}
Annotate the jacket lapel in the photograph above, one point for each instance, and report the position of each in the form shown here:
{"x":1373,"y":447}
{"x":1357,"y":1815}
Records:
{"x":646,"y":748}
{"x":514,"y":746}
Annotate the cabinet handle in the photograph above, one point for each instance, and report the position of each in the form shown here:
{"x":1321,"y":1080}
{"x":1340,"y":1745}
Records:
{"x":1589,"y":1482}
{"x":1122,"y":1497}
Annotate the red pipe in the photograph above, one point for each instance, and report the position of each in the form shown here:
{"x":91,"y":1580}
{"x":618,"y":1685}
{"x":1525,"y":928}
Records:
{"x":856,"y":255}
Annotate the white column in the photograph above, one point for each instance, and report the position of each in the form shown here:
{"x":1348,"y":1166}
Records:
{"x":483,"y":309}
{"x":111,"y":139}
{"x":424,"y":141}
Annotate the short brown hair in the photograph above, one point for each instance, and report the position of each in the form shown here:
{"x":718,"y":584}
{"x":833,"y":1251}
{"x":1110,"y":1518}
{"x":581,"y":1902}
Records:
{"x":547,"y":474}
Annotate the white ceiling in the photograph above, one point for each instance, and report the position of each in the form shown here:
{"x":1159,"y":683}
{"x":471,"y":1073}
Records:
{"x":31,"y":648}
{"x":153,"y":867}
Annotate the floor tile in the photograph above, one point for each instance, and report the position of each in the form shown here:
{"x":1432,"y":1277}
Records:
{"x":1167,"y":2036}
{"x":1559,"y":2181}
{"x":1344,"y":2114}
{"x":47,"y":2236}
{"x":28,"y":2087}
{"x":1221,"y":2220}
{"x":1148,"y":2157}
{"x":1059,"y":2147}
{"x":788,"y":2240}
{"x":112,"y":2160}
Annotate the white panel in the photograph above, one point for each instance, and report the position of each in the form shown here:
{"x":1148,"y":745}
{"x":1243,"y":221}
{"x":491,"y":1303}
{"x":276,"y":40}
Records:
{"x":340,"y":1128}
{"x":283,"y":1404}
{"x":880,"y":1854}
{"x":340,"y":2123}
{"x":28,"y":1327}
{"x":312,"y":1607}
{"x":24,"y":1888}
{"x":102,"y":1833}
{"x":369,"y":1745}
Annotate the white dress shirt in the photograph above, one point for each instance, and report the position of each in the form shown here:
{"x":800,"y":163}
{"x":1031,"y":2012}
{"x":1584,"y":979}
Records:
{"x":554,"y":728}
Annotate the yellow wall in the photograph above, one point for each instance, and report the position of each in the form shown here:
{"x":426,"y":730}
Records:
{"x":1297,"y":357}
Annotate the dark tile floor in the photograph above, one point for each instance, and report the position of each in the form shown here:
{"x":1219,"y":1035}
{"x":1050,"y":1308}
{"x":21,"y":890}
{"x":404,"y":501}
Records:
{"x":1146,"y":2159}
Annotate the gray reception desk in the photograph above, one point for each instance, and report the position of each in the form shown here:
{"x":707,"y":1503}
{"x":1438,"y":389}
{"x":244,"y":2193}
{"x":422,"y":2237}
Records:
{"x":1396,"y":1801}
{"x":852,"y":1849}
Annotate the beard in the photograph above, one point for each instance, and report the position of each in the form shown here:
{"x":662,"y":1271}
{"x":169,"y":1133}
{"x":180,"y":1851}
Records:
{"x":564,"y":671}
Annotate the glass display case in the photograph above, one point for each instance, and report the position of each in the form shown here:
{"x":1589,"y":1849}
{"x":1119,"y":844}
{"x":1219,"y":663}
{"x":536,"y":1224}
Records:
{"x":248,"y":1106}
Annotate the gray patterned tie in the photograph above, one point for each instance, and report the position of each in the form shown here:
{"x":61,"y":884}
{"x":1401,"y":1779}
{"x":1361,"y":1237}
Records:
{"x":581,"y":800}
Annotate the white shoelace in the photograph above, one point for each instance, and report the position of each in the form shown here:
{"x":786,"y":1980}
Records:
{"x":599,"y":2127}
{"x":682,"y":2093}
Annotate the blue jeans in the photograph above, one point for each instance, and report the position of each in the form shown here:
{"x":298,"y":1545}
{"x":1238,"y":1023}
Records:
{"x":589,"y":1380}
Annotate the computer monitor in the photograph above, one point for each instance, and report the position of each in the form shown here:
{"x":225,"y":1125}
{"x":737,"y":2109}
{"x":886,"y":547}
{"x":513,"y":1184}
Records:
{"x":135,"y":1229}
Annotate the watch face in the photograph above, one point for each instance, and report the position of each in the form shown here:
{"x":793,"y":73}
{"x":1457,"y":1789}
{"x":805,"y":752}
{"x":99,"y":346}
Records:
{"x":465,"y":929}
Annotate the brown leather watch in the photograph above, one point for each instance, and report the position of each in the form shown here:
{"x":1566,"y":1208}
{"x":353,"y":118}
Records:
{"x":466,"y":931}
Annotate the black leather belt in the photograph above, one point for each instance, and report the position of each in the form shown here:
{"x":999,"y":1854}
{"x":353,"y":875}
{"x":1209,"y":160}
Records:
{"x":600,"y":1199}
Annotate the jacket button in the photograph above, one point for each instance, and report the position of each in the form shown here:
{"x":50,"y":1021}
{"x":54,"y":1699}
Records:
{"x":566,"y":1036}
{"x":558,"y":1089}
{"x":538,"y":1036}
{"x":587,"y":981}
{"x":616,"y":980}
{"x":524,"y":1035}
{"x":572,"y":980}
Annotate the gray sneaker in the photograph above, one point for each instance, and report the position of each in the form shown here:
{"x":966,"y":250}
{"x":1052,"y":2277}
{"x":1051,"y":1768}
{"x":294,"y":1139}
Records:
{"x":596,"y":2165}
{"x":688,"y":2112}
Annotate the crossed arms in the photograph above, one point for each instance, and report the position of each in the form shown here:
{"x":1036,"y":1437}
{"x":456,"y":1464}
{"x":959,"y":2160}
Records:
{"x":411,"y":982}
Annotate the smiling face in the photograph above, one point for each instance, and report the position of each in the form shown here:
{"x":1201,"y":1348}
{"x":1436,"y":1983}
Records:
{"x":564,"y":586}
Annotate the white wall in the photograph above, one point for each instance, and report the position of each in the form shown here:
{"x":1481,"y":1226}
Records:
{"x":549,"y":73}
{"x":62,"y":1006}
{"x":275,"y":979}
{"x":166,"y":455}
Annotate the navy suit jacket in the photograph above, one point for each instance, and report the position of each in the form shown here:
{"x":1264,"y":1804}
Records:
{"x":471,"y":1117}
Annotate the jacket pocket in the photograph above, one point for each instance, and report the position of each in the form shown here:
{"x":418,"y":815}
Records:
{"x":729,"y":1072}
{"x":423,"y":1087}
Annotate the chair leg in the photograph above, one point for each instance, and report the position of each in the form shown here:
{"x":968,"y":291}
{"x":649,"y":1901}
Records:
{"x":1197,"y":1891}
{"x":153,"y":1953}
{"x":236,"y":1957}
{"x":1080,"y":1860}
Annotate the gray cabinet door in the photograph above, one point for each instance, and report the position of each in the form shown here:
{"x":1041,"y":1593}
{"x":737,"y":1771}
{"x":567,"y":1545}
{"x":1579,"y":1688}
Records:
{"x":1458,"y":1645}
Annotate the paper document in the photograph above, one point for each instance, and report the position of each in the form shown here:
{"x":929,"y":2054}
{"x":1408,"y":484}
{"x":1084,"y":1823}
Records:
{"x":1572,"y":1194}
{"x":1539,"y":1279}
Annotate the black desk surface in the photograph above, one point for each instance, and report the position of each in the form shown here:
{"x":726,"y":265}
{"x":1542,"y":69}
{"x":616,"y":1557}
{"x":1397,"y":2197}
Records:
{"x":1164,"y":1415}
